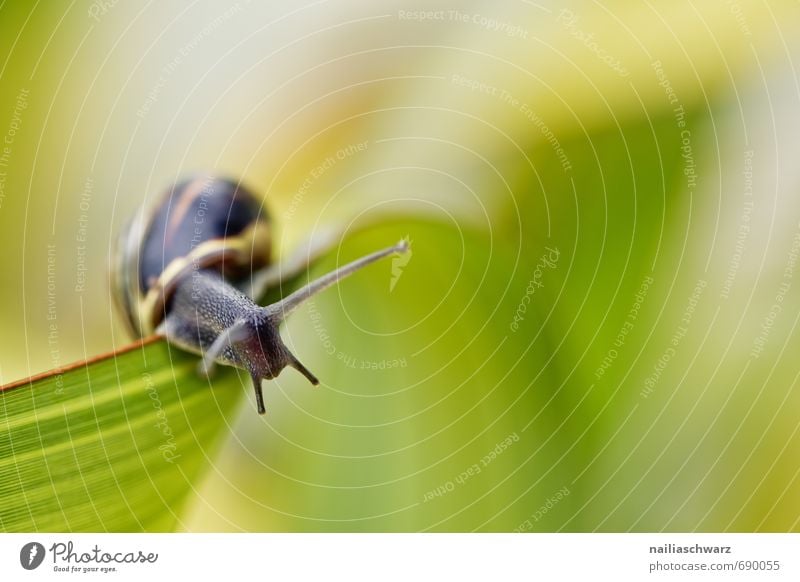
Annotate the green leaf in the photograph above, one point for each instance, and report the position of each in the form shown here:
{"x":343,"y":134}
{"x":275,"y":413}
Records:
{"x":111,"y":446}
{"x":118,"y":442}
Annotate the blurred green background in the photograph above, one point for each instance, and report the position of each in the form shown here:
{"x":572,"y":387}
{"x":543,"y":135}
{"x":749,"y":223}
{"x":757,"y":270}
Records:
{"x":597,"y":327}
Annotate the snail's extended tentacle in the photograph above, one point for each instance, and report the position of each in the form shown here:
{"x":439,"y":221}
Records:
{"x":293,"y":266}
{"x":283,"y":308}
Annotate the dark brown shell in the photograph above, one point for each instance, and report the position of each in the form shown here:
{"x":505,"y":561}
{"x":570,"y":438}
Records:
{"x":201,"y":223}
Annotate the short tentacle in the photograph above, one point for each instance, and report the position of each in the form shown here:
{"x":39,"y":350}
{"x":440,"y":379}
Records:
{"x":259,"y":394}
{"x":235,"y":333}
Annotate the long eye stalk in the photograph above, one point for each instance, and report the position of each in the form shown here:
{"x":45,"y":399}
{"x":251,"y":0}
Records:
{"x":286,"y":306}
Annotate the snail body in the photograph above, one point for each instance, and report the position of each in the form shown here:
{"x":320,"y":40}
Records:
{"x":184,"y":270}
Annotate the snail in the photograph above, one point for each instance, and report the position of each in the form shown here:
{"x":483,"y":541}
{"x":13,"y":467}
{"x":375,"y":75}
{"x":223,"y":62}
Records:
{"x":192,"y":267}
